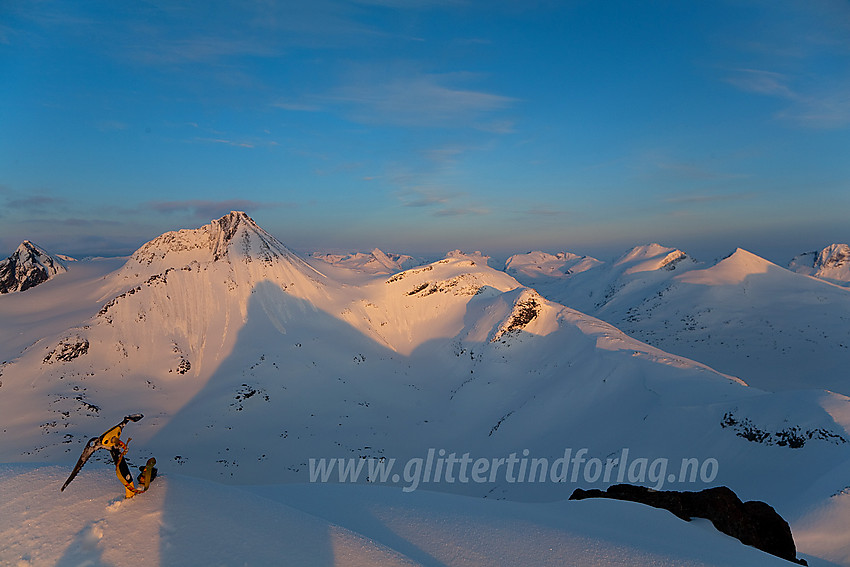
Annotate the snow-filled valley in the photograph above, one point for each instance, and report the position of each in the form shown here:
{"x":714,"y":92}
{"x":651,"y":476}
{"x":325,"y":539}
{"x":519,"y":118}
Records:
{"x":252,"y":364}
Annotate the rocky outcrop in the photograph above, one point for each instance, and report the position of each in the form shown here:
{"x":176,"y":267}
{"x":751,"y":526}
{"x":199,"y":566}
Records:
{"x":831,"y":264}
{"x":754,"y":523}
{"x":27,"y":267}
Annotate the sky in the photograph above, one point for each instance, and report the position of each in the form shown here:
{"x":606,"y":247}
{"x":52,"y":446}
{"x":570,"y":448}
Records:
{"x":423,"y":126}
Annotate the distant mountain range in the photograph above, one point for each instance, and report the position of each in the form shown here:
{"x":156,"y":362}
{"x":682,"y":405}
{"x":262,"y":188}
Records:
{"x":744,"y":315}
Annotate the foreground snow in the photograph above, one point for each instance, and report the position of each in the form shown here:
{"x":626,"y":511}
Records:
{"x":188,"y":521}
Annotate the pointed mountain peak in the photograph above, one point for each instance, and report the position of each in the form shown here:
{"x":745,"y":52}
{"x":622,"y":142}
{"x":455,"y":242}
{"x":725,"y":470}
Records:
{"x":745,"y":257}
{"x":733,"y":269}
{"x":235,"y":236}
{"x":833,"y":256}
{"x":27,"y":267}
{"x":650,"y":257}
{"x":232,"y":222}
{"x":384,"y":260}
{"x":375,"y":262}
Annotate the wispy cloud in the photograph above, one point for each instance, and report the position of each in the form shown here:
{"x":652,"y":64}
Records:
{"x":424,"y":198}
{"x":35,"y":203}
{"x":243,"y":143}
{"x":497,"y":126}
{"x":111,"y":126}
{"x":446,"y":155}
{"x":810,"y":104}
{"x":545,"y":212}
{"x":201,"y":209}
{"x":178,"y":51}
{"x":823,"y":110}
{"x":760,"y":81}
{"x":700,"y":198}
{"x":798,"y":53}
{"x":417,"y":99}
{"x":6,"y":34}
{"x":412,"y":4}
{"x":663,"y":166}
{"x":441,"y":202}
{"x":295,"y":106}
{"x":226,"y":142}
{"x":461,"y":211}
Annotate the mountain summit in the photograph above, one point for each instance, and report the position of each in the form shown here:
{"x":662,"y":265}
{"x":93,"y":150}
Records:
{"x":235,"y":236}
{"x":27,"y":267}
{"x":831,"y":264}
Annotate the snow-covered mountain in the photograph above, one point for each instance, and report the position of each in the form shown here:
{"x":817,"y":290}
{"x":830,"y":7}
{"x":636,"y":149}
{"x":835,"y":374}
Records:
{"x":744,"y":315}
{"x":374,"y":262}
{"x":831,"y":264}
{"x":249,"y":361}
{"x":538,"y":266}
{"x":27,"y":267}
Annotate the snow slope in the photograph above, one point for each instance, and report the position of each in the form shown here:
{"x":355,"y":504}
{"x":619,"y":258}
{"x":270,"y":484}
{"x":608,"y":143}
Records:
{"x":744,"y":316}
{"x":187,"y":521}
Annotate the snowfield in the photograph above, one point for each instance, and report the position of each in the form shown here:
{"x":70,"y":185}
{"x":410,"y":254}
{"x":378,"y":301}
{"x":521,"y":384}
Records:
{"x":252,"y":363}
{"x":189,"y":521}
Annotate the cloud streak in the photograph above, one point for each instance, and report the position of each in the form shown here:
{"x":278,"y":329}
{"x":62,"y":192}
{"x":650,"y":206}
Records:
{"x":418,"y":99}
{"x":762,"y":82}
{"x":817,"y":105}
{"x":204,"y":210}
{"x":707,"y":198}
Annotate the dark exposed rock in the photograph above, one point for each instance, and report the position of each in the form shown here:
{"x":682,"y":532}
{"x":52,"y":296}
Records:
{"x":67,"y":350}
{"x":794,"y":437}
{"x":754,"y":523}
{"x":27,"y":267}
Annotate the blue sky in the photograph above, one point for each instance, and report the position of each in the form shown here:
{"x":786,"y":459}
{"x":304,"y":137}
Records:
{"x":421,"y":126}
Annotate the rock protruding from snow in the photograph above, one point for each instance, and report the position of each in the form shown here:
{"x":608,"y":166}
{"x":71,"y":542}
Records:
{"x":754,"y":523}
{"x":27,"y":267}
{"x":831,"y":264}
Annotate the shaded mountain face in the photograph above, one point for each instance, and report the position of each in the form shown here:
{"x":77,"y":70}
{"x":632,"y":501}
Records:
{"x":27,"y":267}
{"x":831,"y":264}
